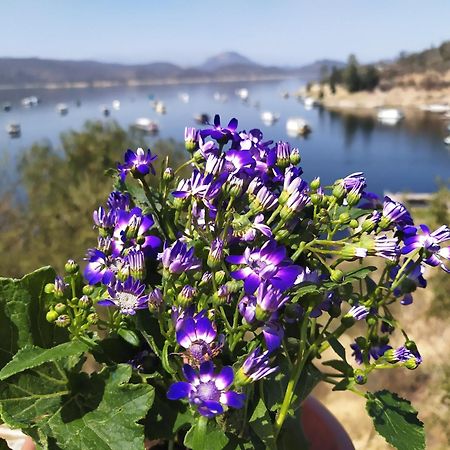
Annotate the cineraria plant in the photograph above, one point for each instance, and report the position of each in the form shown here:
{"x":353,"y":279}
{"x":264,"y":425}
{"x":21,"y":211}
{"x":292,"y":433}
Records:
{"x":213,"y":304}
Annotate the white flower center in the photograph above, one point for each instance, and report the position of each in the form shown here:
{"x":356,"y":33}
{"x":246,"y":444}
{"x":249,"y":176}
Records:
{"x":126,"y":301}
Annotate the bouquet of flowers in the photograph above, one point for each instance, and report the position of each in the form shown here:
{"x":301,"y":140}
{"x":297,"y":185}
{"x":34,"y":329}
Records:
{"x":214,"y":303}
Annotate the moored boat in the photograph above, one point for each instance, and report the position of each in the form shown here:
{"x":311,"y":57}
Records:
{"x":13,"y":129}
{"x":296,"y":126}
{"x":146,"y":125}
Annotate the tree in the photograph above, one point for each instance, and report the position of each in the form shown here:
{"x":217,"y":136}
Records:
{"x":352,"y":79}
{"x":335,"y":78}
{"x":370,"y":78}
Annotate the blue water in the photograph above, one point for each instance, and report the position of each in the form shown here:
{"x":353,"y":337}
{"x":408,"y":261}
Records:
{"x":407,"y":157}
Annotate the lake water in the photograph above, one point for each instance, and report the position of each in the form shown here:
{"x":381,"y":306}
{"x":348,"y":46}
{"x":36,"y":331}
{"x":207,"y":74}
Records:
{"x":407,"y":157}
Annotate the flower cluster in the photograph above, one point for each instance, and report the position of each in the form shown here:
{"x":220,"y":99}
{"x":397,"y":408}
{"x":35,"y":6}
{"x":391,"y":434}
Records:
{"x":246,"y":271}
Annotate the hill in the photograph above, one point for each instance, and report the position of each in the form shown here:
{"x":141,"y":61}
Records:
{"x":36,"y":72}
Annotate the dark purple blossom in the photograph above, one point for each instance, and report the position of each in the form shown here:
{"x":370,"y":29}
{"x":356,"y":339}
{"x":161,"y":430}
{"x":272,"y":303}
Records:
{"x":105,"y":219}
{"x":238,"y":160}
{"x":268,"y":263}
{"x":430,"y":241}
{"x":268,"y":301}
{"x":207,"y":391}
{"x":178,"y":258}
{"x":100,"y":267}
{"x":394,"y":213}
{"x":139,"y":163}
{"x":118,"y":200}
{"x":255,"y":367}
{"x":128,"y":296}
{"x":219,"y":133}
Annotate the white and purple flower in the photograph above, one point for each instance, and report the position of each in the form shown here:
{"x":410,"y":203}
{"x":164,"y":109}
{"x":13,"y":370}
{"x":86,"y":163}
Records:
{"x":139,"y":163}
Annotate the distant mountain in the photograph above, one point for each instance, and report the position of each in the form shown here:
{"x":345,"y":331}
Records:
{"x":20,"y":72}
{"x":314,"y":69}
{"x":226,"y":59}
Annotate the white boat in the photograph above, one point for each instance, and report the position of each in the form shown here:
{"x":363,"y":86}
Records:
{"x":146,"y":125}
{"x":219,"y":97}
{"x":447,"y":140}
{"x":390,"y":116}
{"x":62,"y":108}
{"x":13,"y":129}
{"x":184,"y":97}
{"x":160,"y":107}
{"x":242,"y":93}
{"x":28,"y":102}
{"x":438,"y":108}
{"x":311,"y":102}
{"x":296,"y":126}
{"x":116,"y":104}
{"x":269,"y":118}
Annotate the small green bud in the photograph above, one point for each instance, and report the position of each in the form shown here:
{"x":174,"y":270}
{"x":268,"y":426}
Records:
{"x":337,"y":275}
{"x":71,"y":267}
{"x":360,"y":376}
{"x":316,"y":199}
{"x":411,"y":346}
{"x":371,"y":321}
{"x":241,"y":379}
{"x":384,"y":222}
{"x":60,"y":308}
{"x":344,"y":217}
{"x":219,"y":276}
{"x":353,"y":224}
{"x":198,"y":157}
{"x":411,"y":364}
{"x":339,"y":191}
{"x":140,"y":240}
{"x":234,"y":286}
{"x":295,"y":157}
{"x":84,"y":302}
{"x":315,"y":184}
{"x":261,"y":314}
{"x":168,"y":174}
{"x":51,"y":316}
{"x":92,"y":318}
{"x":49,"y":288}
{"x":62,"y":321}
{"x":282,"y":234}
{"x":368,"y":226}
{"x":353,"y":198}
{"x":348,"y":321}
{"x":88,"y":289}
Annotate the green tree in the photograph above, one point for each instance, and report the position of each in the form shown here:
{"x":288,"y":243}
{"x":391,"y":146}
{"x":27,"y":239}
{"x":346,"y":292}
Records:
{"x":335,"y":78}
{"x":63,"y":186}
{"x":370,"y":78}
{"x":351,"y":77}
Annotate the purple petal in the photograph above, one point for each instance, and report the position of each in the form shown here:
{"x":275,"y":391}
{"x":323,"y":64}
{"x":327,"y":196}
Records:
{"x":224,"y":378}
{"x":180,"y":194}
{"x":233,"y":399}
{"x":186,"y":333}
{"x":273,"y":334}
{"x":410,"y":247}
{"x":205,"y":330}
{"x":236,"y":259}
{"x":178,"y":390}
{"x":232,"y":125}
{"x":106,"y":302}
{"x":241,"y":274}
{"x":251,"y":283}
{"x":206,"y":371}
{"x":210,"y":409}
{"x":189,"y":373}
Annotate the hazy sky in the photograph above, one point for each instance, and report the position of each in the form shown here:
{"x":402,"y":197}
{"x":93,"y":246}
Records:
{"x":187,"y":31}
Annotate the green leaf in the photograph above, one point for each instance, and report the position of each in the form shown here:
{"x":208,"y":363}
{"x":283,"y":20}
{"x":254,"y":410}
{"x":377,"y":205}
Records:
{"x":359,"y":274}
{"x":338,"y":348}
{"x":205,"y":435}
{"x":32,"y":356}
{"x":22,"y":314}
{"x":396,"y":420}
{"x":77,"y":411}
{"x":304,"y":289}
{"x":262,"y":425}
{"x":129,"y":336}
{"x":340,"y":366}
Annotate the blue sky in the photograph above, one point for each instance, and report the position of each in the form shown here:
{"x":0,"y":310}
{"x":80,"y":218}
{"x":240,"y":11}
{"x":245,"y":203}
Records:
{"x":186,"y":32}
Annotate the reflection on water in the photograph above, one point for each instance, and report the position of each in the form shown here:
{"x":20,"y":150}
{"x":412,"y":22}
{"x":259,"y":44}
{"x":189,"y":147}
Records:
{"x":407,"y":156}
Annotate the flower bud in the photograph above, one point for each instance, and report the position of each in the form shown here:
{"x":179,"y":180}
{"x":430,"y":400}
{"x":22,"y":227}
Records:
{"x":168,"y":174}
{"x":234,"y":286}
{"x":186,"y":296}
{"x":295,"y":157}
{"x":92,"y":318}
{"x":353,"y":198}
{"x":316,"y":199}
{"x":315,"y":184}
{"x":215,"y":256}
{"x":49,"y":288}
{"x":62,"y":321}
{"x":51,"y":316}
{"x":339,"y":191}
{"x":71,"y":267}
{"x":155,"y":300}
{"x":60,"y":308}
{"x":336,"y":275}
{"x":360,"y":376}
{"x":85,"y":302}
{"x":353,"y":224}
{"x":219,"y":276}
{"x":88,"y":289}
{"x":282,"y":234}
{"x":344,"y":217}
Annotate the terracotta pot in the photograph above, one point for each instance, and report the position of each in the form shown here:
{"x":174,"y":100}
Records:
{"x":321,"y":428}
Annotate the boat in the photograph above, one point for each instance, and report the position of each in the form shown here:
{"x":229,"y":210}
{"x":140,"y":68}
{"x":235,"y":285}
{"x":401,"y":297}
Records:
{"x":390,"y":116}
{"x":105,"y":110}
{"x":311,"y":102}
{"x":29,"y":102}
{"x":285,"y":94}
{"x":6,"y":106}
{"x":13,"y":129}
{"x":269,"y":118}
{"x":242,"y":94}
{"x":62,"y":108}
{"x":160,"y":107}
{"x":184,"y":97}
{"x":219,"y":97}
{"x":437,"y":108}
{"x":447,"y":140}
{"x":146,"y":125}
{"x":116,"y":104}
{"x":202,"y":119}
{"x":296,"y":126}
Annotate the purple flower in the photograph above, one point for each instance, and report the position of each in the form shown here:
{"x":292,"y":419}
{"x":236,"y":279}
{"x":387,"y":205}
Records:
{"x":394,"y":213}
{"x":268,"y":301}
{"x":375,"y":352}
{"x":191,"y":136}
{"x":139,"y":163}
{"x":219,"y":133}
{"x":118,"y":200}
{"x":237,"y":160}
{"x":264,"y":200}
{"x":430,"y":242}
{"x":255,"y":367}
{"x":99,"y":268}
{"x":178,"y":258}
{"x":105,"y":219}
{"x":207,"y":391}
{"x":128,"y":296}
{"x":268,"y":263}
{"x":250,"y":233}
{"x":60,"y":286}
{"x":402,"y":355}
{"x":197,"y":335}
{"x":132,"y":230}
{"x":358,"y":312}
{"x":331,"y":304}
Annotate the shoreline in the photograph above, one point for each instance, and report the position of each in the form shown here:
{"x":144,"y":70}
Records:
{"x":102,"y":84}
